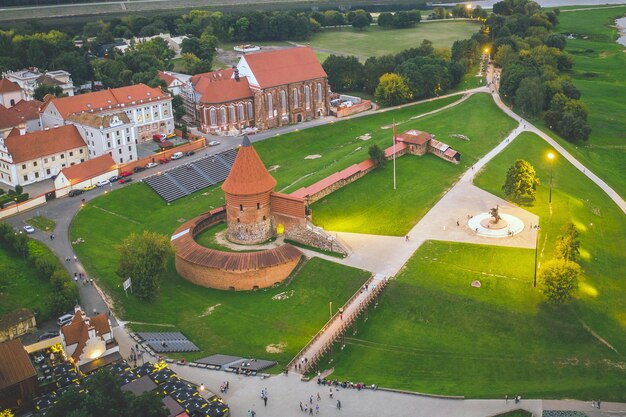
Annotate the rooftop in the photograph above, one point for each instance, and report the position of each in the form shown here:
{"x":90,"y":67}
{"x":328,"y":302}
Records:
{"x":77,"y":331}
{"x":15,"y":365}
{"x":248,"y":175}
{"x":89,"y":169}
{"x":284,"y":66}
{"x":7,"y":86}
{"x":42,"y":143}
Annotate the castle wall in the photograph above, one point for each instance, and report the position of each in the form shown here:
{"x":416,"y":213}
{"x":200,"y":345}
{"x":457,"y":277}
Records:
{"x":248,"y":218}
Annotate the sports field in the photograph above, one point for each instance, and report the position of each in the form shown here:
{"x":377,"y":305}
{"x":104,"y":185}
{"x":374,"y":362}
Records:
{"x":433,"y":332}
{"x":600,"y":74}
{"x":375,"y":41}
{"x":370,"y":205}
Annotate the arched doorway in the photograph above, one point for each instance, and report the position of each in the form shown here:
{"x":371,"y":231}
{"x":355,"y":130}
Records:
{"x":299,"y":118}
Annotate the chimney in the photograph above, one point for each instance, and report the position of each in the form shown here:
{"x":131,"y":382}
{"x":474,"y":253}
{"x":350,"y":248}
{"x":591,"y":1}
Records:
{"x":237,"y":74}
{"x":22,"y":131}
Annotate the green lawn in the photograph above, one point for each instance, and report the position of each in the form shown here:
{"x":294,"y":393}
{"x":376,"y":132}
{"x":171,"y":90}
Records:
{"x":370,"y":205}
{"x":600,"y":74}
{"x":21,"y":287}
{"x":42,"y":223}
{"x":433,"y":332}
{"x":243,"y":323}
{"x":374,"y":41}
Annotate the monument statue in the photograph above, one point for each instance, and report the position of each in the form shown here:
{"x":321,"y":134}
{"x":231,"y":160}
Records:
{"x":494,"y":213}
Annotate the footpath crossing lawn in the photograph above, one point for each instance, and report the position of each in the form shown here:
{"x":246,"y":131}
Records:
{"x":370,"y":204}
{"x":600,"y":74}
{"x":433,"y":332}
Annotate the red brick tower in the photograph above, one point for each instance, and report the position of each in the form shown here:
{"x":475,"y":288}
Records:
{"x":247,"y":190}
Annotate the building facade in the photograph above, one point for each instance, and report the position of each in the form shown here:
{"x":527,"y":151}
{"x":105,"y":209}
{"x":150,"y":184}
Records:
{"x":29,"y":79}
{"x":10,"y":93}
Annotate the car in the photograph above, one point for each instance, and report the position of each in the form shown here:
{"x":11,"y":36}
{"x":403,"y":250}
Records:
{"x":102,"y":183}
{"x":75,"y":192}
{"x":152,"y":165}
{"x":29,"y":229}
{"x":163,"y":161}
{"x":125,"y":180}
{"x":214,"y":143}
{"x":89,"y":187}
{"x":190,"y":153}
{"x":47,"y":335}
{"x":126,"y":174}
{"x":114,"y":178}
{"x":159,"y":137}
{"x":64,"y":319}
{"x":138,"y":169}
{"x":177,"y":155}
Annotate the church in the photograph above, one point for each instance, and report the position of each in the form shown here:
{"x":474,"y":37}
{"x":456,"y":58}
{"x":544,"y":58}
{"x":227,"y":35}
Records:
{"x":265,"y":90}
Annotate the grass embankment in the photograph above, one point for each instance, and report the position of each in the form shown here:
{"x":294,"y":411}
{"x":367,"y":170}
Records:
{"x":600,"y":74}
{"x":433,"y":332}
{"x":370,"y":205}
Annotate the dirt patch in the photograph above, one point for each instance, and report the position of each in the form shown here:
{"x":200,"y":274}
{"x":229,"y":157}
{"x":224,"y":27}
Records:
{"x":209,"y":310}
{"x":283,"y":295}
{"x":366,"y":136}
{"x":277,"y":348}
{"x":315,"y":156}
{"x":273,"y":168}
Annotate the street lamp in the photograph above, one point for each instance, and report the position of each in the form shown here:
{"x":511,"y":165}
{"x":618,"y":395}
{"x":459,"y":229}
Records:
{"x":550,"y":158}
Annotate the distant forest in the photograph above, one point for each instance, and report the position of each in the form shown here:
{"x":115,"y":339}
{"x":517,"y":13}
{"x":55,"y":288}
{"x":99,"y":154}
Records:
{"x":8,"y":3}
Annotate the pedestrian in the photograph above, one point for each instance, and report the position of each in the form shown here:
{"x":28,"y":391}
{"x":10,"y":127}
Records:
{"x":95,"y":311}
{"x":317,"y":409}
{"x":311,"y":399}
{"x":306,"y":408}
{"x":265,"y":400}
{"x":253,"y":413}
{"x":311,"y":410}
{"x":506,"y":398}
{"x":598,"y":404}
{"x":458,"y":223}
{"x":318,"y":396}
{"x":593,"y":403}
{"x":331,"y":393}
{"x":406,"y":238}
{"x":301,"y":407}
{"x":338,"y":405}
{"x":75,"y":258}
{"x":75,"y":278}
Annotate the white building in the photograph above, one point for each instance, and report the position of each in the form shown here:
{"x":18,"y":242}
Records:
{"x":174,"y":81}
{"x":29,"y":79}
{"x":10,"y":93}
{"x":113,"y":121}
{"x":174,"y":42}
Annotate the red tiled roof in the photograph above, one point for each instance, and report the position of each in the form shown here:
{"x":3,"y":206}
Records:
{"x":217,"y":75}
{"x":169,"y":79}
{"x":7,"y":86}
{"x":284,"y":66}
{"x":414,"y":137}
{"x":28,"y":109}
{"x":225,"y":90}
{"x":90,"y":168}
{"x":332,"y":179}
{"x":105,"y":98}
{"x":9,"y":118}
{"x":41,"y":143}
{"x":15,"y":365}
{"x":77,"y":331}
{"x":397,"y":148}
{"x":248,"y":175}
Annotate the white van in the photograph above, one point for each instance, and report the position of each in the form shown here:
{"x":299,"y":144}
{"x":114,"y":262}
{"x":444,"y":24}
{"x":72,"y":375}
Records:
{"x":64,"y":319}
{"x":177,"y":155}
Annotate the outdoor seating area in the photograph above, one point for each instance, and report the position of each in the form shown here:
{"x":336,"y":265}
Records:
{"x":183,"y":180}
{"x":235,"y":364}
{"x":167,"y":342}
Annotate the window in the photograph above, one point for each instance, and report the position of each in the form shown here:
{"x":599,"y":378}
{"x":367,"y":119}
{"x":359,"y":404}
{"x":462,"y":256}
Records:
{"x":213,"y":114}
{"x":72,"y":164}
{"x":23,"y":166}
{"x":119,"y":142}
{"x":71,"y":153}
{"x":119,"y":151}
{"x":45,"y":160}
{"x":307,"y":96}
{"x":108,"y":144}
{"x":34,"y":163}
{"x":296,"y":99}
{"x":240,"y":207}
{"x":82,"y":159}
{"x":121,"y":160}
{"x":270,"y":105}
{"x":80,"y":151}
{"x":62,"y":156}
{"x":283,"y":100}
{"x":25,"y":177}
{"x":258,"y":206}
{"x":12,"y":102}
{"x":250,"y":110}
{"x":242,"y":115}
{"x":319,"y":92}
{"x":48,"y":171}
{"x":231,"y":110}
{"x":223,"y":115}
{"x":108,"y":135}
{"x":129,"y":149}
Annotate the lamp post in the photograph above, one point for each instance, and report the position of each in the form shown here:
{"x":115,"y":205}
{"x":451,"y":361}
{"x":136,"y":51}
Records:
{"x":330,"y":307}
{"x":550,"y":158}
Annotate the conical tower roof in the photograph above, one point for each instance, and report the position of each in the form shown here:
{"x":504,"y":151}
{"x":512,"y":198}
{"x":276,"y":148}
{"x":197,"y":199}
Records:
{"x":248,"y":175}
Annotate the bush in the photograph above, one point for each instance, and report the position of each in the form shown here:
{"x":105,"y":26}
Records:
{"x":558,"y":279}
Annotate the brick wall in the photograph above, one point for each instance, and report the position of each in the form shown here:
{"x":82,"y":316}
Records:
{"x":354,"y":109}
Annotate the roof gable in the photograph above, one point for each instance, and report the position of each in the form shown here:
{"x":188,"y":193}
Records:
{"x":77,"y":331}
{"x":7,"y":86}
{"x":283,"y":66}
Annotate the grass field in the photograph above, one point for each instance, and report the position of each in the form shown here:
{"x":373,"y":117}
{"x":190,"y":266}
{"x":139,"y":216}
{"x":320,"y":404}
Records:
{"x":375,"y":41}
{"x":370,"y":205}
{"x":21,"y":287}
{"x":433,"y":332}
{"x":238,"y":323}
{"x":600,"y":74}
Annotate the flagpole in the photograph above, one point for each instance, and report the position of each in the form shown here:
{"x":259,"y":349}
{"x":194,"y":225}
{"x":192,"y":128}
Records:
{"x":394,"y":154}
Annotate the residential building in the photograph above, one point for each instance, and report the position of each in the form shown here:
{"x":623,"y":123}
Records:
{"x":86,"y":339}
{"x":174,"y":81}
{"x":173,"y":42}
{"x":113,"y":121}
{"x":29,"y":79}
{"x":265,"y":90}
{"x":23,"y":113}
{"x":26,"y":158}
{"x":18,"y":377}
{"x":10,"y":93}
{"x":87,"y":173}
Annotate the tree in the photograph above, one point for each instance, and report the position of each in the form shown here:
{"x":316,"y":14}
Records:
{"x":392,"y":89}
{"x":178,"y":107}
{"x":44,"y":89}
{"x":377,"y":155}
{"x":567,"y":243}
{"x":345,"y":73}
{"x":385,"y":20}
{"x":521,"y":181}
{"x":529,"y":97}
{"x":143,"y":259}
{"x":558,"y":279}
{"x":361,"y":19}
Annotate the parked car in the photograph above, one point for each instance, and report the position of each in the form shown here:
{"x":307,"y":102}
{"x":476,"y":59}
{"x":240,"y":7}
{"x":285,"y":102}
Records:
{"x":177,"y":155}
{"x":126,"y":174}
{"x":64,"y":319}
{"x":75,"y":192}
{"x":138,"y":169}
{"x":125,"y":180}
{"x":152,"y":165}
{"x":102,"y":183}
{"x":163,"y":161}
{"x":190,"y":153}
{"x":89,"y":187}
{"x":47,"y":335}
{"x":159,"y":137}
{"x":29,"y":229}
{"x":114,"y":178}
{"x":214,"y":143}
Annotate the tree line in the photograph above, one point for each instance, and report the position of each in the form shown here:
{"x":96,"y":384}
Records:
{"x":534,"y":67}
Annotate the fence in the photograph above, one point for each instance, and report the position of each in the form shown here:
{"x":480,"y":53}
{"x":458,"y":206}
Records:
{"x":23,"y":206}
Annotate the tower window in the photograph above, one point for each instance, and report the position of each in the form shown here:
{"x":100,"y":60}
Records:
{"x":238,"y":220}
{"x":240,"y":207}
{"x":258,"y":206}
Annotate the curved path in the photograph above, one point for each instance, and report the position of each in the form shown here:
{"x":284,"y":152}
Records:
{"x":381,"y":254}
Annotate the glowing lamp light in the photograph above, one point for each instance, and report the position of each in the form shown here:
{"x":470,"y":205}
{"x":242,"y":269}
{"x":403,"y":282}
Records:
{"x":95,"y":354}
{"x":468,"y":6}
{"x":201,"y":387}
{"x":550,"y":155}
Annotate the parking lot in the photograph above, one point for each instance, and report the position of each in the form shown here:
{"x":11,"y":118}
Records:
{"x":147,"y":149}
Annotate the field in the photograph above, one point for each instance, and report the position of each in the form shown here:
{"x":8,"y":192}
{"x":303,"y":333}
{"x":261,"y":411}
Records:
{"x":600,"y":74}
{"x":237,"y":323}
{"x":21,"y":287}
{"x":370,"y":205}
{"x":435,"y":333}
{"x":375,"y":41}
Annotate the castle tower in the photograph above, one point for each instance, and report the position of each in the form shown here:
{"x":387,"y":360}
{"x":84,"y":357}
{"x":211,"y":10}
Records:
{"x":247,"y":190}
